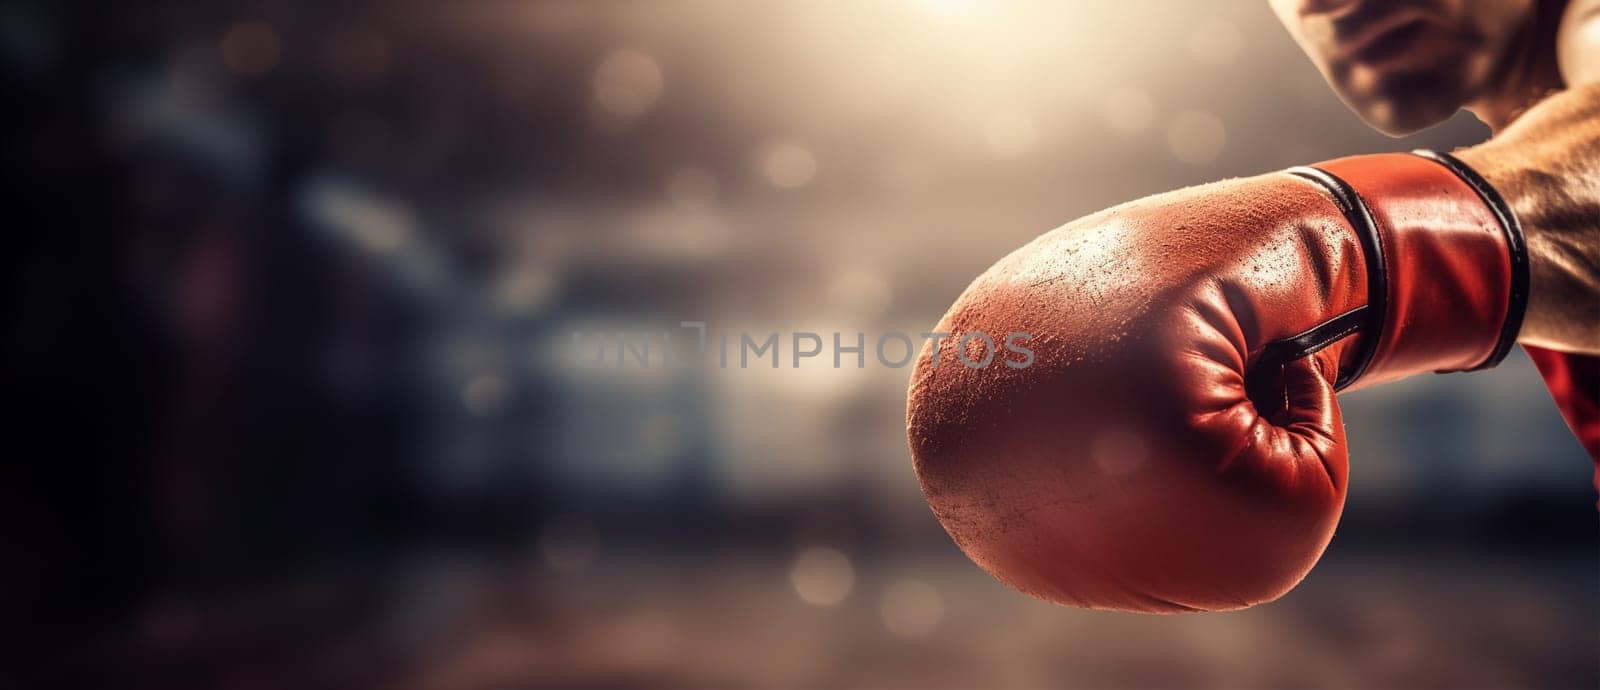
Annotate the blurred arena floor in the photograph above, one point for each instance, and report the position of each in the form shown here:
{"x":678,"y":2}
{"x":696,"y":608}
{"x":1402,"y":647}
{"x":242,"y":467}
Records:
{"x":644,"y":619}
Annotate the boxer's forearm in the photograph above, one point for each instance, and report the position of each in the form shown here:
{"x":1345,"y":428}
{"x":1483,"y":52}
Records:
{"x":1563,"y":236}
{"x":1547,"y":166}
{"x":1564,"y":289}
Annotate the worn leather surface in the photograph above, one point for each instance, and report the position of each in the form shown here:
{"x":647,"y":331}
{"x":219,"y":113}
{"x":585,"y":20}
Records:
{"x":1449,"y":269}
{"x":1144,"y":462}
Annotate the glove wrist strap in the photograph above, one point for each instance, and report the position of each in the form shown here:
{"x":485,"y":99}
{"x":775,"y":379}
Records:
{"x":1447,"y":266}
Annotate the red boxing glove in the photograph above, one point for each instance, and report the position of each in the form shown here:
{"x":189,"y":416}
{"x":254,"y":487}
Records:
{"x":1176,"y":444}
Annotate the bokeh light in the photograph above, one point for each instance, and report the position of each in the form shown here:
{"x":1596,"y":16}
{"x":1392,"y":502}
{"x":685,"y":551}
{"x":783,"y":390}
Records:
{"x":822,"y":576}
{"x":628,"y":83}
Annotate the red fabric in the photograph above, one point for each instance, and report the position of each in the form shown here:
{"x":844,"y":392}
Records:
{"x":1574,"y":381}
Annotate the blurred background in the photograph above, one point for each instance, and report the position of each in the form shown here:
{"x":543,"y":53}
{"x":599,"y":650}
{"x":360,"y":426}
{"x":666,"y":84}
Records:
{"x":289,"y":284}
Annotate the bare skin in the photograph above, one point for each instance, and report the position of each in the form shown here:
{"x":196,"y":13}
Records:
{"x":1547,"y":165}
{"x":1405,"y":65}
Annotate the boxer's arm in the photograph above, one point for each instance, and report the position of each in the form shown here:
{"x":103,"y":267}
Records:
{"x":1547,"y":165}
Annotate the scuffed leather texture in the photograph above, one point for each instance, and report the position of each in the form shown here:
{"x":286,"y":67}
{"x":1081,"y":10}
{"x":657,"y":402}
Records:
{"x":1144,"y":462}
{"x":1574,"y":383}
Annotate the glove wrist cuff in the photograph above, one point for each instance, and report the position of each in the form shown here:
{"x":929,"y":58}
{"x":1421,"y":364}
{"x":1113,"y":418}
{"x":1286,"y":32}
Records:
{"x":1446,"y":263}
{"x":1516,"y":247}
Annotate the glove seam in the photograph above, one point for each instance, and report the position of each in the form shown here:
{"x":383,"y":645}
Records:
{"x":1311,"y":341}
{"x":1359,"y":216}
